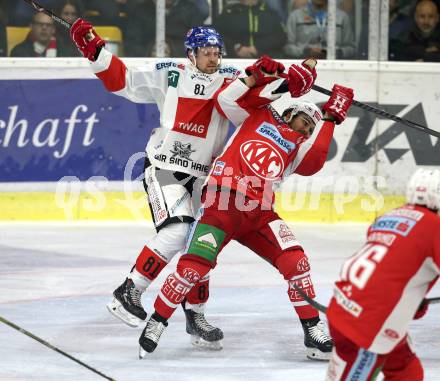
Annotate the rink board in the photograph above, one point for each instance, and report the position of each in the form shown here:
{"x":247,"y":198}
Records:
{"x":44,"y":206}
{"x":369,"y":157}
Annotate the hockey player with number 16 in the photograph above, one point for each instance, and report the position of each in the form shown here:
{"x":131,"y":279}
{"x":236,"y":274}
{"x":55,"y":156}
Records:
{"x":402,"y":256}
{"x":238,"y":198}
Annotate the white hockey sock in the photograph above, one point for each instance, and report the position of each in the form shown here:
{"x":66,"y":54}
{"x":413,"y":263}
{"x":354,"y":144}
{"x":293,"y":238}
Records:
{"x":141,"y":282}
{"x":199,"y":308}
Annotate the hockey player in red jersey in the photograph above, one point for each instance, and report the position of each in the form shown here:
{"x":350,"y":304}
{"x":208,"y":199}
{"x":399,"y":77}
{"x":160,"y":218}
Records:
{"x":192,"y":132}
{"x":382,"y":288}
{"x":238,"y":196}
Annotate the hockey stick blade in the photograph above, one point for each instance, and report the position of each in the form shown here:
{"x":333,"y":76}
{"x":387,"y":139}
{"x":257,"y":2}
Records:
{"x":41,"y":341}
{"x":311,"y":301}
{"x":385,"y":114}
{"x":40,"y":8}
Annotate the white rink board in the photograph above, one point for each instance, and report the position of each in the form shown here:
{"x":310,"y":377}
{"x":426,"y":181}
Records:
{"x":353,"y":168}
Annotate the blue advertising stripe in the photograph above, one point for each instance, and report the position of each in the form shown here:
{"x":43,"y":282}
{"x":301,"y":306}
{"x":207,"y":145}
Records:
{"x":55,"y":128}
{"x":364,"y":364}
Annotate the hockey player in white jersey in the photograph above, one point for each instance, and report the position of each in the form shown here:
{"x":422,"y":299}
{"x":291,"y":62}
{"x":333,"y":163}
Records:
{"x":191,"y":133}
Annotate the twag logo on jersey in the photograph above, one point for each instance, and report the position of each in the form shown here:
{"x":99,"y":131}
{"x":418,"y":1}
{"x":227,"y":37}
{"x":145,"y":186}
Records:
{"x":397,"y":225}
{"x":262,"y":159}
{"x":193,"y":116}
{"x":270,"y":131}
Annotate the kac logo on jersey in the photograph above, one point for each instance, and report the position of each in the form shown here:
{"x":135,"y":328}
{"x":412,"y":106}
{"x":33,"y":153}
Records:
{"x":262,"y":159}
{"x":270,"y":131}
{"x":397,"y":225}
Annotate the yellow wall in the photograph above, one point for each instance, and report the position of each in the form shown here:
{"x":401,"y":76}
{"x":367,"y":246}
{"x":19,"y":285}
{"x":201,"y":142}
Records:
{"x":46,"y":206}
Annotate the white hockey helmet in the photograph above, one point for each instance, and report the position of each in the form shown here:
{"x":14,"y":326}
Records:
{"x":308,"y":108}
{"x":424,"y":188}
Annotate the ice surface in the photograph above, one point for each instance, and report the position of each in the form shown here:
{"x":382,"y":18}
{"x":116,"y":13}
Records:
{"x":55,"y":281}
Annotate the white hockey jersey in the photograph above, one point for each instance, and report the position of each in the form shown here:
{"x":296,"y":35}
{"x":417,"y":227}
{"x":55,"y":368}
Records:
{"x":192,"y":132}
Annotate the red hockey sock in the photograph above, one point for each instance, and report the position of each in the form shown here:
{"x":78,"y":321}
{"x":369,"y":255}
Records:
{"x":177,"y":285}
{"x":200,"y":292}
{"x":294,"y":266}
{"x":149,"y":263}
{"x":302,"y":308}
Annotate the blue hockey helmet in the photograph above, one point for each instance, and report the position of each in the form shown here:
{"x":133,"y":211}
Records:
{"x":201,"y":36}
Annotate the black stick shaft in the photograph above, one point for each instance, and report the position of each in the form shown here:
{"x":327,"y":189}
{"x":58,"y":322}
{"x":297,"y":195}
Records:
{"x":320,"y":307}
{"x":433,"y":300}
{"x":311,"y":301}
{"x":40,"y":8}
{"x":41,"y":341}
{"x":385,"y":114}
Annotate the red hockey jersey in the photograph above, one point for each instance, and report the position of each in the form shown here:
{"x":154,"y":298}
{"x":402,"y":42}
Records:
{"x":264,"y":149}
{"x":383,"y":284}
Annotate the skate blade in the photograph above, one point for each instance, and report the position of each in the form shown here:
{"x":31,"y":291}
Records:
{"x":117,"y":310}
{"x":142,"y":353}
{"x":317,"y":355}
{"x":198,"y":342}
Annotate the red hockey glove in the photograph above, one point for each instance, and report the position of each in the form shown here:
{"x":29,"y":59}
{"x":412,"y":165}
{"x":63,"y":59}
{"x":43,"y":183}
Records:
{"x":421,"y":311}
{"x":263,"y":66}
{"x":86,"y":39}
{"x":339,"y":103}
{"x":301,"y":77}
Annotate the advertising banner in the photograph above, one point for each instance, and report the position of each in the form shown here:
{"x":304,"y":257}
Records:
{"x":56,"y":127}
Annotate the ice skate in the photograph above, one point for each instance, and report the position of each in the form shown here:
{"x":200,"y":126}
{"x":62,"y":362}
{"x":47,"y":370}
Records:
{"x":126,"y":304}
{"x":203,"y":334}
{"x":150,"y":336}
{"x":319,"y":345}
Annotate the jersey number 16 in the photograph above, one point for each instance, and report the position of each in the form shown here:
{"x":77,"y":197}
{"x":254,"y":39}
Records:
{"x":359,"y":268}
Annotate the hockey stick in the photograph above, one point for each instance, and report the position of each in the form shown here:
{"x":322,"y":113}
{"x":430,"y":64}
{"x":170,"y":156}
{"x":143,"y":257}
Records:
{"x":433,"y":300}
{"x":41,"y":341}
{"x":320,"y":307}
{"x":56,"y":18}
{"x":385,"y":114}
{"x":283,"y":88}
